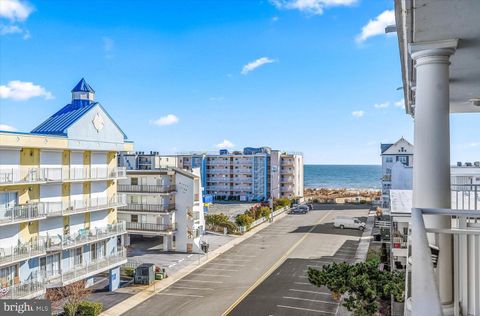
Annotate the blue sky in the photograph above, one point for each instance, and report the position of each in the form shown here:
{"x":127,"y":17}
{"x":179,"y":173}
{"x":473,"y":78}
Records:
{"x":194,"y":75}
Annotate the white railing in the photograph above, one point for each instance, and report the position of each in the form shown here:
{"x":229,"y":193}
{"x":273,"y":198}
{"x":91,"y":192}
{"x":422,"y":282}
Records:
{"x":221,"y":179}
{"x":425,"y":299}
{"x":29,"y":289}
{"x":57,"y":174}
{"x":242,"y":171}
{"x":83,"y":205}
{"x":218,"y":171}
{"x":217,"y":187}
{"x":465,"y":196}
{"x":154,"y":208}
{"x":12,"y":254}
{"x":21,"y":213}
{"x":89,"y":268}
{"x":150,"y":227}
{"x":146,"y":188}
{"x":287,"y":171}
{"x":84,"y":236}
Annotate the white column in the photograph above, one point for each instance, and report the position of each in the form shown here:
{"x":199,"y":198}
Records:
{"x":431,"y":172}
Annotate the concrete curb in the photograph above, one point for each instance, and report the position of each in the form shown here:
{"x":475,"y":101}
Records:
{"x":158,"y":286}
{"x":364,"y":244}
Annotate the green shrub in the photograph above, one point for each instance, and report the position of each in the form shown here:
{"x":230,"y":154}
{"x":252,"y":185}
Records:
{"x":244,"y":220}
{"x":218,"y":222}
{"x":87,"y":308}
{"x":265,"y":211}
{"x":69,"y":309}
{"x":128,"y":271}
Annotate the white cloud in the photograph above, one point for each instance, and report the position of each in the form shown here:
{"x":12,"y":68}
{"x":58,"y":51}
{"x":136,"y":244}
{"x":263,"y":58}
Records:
{"x":376,"y":26}
{"x":15,"y":10}
{"x":314,"y":7}
{"x":275,"y":19}
{"x":400,"y":103}
{"x":21,"y":90}
{"x":225,"y":144}
{"x":251,"y":66}
{"x":166,"y":120}
{"x":358,"y":113}
{"x":381,"y":105}
{"x":8,"y":128}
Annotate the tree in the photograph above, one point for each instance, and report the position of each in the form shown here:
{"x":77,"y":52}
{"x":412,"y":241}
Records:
{"x":70,"y":295}
{"x":363,"y":284}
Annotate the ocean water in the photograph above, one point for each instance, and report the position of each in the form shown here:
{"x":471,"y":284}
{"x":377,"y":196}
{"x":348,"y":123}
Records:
{"x":343,"y":176}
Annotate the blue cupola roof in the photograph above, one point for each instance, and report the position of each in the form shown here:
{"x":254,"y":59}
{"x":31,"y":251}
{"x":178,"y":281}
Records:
{"x":83,"y":86}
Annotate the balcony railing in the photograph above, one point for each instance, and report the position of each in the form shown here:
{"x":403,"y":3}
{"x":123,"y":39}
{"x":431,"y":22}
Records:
{"x":21,"y":213}
{"x":9,"y":255}
{"x":84,"y":205}
{"x":147,"y":227}
{"x":218,"y":187}
{"x":287,"y":171}
{"x":86,"y":269}
{"x":29,"y":289}
{"x":153,"y":208}
{"x":84,"y":236}
{"x":424,"y":298}
{"x":242,"y":171}
{"x":58,"y":174}
{"x":219,"y":171}
{"x":218,"y":179}
{"x":145,"y":188}
{"x":465,"y":196}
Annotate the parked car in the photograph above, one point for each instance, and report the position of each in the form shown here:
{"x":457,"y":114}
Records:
{"x":310,"y":206}
{"x":298,"y":210}
{"x":304,"y":207}
{"x":348,"y":222}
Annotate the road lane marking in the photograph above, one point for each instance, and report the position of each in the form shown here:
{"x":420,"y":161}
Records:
{"x":240,"y":260}
{"x":190,"y":288}
{"x":305,"y":309}
{"x":212,"y":269}
{"x":277,"y":264}
{"x":175,"y":294}
{"x":312,"y":292}
{"x":202,"y":281}
{"x":228,"y":264}
{"x":308,"y":300}
{"x":212,"y":275}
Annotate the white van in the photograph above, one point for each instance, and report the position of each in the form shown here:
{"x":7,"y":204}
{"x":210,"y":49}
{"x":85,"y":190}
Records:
{"x":348,"y":222}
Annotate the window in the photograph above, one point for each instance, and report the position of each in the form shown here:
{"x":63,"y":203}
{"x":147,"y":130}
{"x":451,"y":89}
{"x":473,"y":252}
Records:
{"x":134,"y":181}
{"x":389,"y":159}
{"x":403,"y":159}
{"x":134,"y":218}
{"x":78,"y":256}
{"x":388,"y":171}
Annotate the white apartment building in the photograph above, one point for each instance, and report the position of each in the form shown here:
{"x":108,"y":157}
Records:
{"x":441,"y":75}
{"x":397,"y":162}
{"x":254,"y":174}
{"x":167,"y":203}
{"x":58,"y":200}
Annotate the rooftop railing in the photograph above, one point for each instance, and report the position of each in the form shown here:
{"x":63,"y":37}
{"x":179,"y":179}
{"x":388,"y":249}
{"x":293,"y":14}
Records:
{"x":465,"y":196}
{"x":21,"y":213}
{"x":154,"y":208}
{"x":147,"y":227}
{"x":84,"y":236}
{"x":146,"y":188}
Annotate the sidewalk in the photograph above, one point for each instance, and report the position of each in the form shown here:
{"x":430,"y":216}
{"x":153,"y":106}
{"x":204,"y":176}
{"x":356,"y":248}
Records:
{"x":158,"y":286}
{"x":364,"y":244}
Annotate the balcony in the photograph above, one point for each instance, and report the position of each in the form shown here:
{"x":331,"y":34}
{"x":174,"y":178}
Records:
{"x":152,"y":228}
{"x":21,"y":252}
{"x":20,"y":175}
{"x":218,"y":171}
{"x":218,"y":188}
{"x":287,"y":171}
{"x":287,"y":179}
{"x":218,"y":179}
{"x":148,"y":208}
{"x":30,"y":289}
{"x":22,"y":213}
{"x":85,"y":205}
{"x":242,"y":188}
{"x":146,"y":188}
{"x":84,"y":236}
{"x":242,"y":171}
{"x":287,"y":189}
{"x":87,"y":269}
{"x":423,"y":292}
{"x":387,"y":177}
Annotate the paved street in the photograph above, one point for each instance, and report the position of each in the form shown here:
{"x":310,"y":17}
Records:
{"x":295,"y":241}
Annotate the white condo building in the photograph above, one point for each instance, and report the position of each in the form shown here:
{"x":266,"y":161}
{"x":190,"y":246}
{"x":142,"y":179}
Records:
{"x":441,"y":75}
{"x":164,"y":202}
{"x":397,"y":162}
{"x":58,"y":200}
